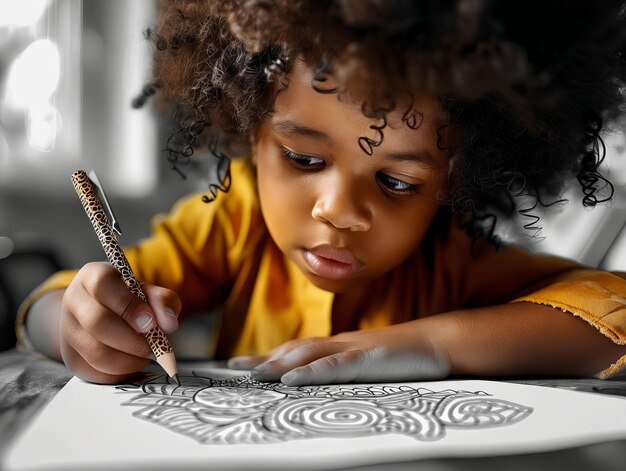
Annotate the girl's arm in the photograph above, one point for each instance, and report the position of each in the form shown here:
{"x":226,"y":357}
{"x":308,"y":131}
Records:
{"x":42,"y":324}
{"x":481,"y":332}
{"x":505,"y":340}
{"x":525,"y":339}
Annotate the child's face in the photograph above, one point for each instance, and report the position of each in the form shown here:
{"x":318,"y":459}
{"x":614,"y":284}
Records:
{"x":342,"y":216}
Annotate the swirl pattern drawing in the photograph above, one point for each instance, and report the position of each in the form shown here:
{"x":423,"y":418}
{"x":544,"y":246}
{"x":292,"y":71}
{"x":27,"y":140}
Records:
{"x":240,"y":410}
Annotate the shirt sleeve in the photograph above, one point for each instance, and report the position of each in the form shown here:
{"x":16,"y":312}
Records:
{"x":597,"y":297}
{"x":198,"y":249}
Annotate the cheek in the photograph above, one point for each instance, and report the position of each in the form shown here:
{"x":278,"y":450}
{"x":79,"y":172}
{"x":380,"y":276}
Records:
{"x":398,"y":237}
{"x":401,"y":230}
{"x":282,"y":202}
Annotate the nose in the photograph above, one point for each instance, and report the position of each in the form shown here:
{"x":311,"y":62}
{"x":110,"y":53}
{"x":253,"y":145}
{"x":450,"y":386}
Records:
{"x":343,"y":207}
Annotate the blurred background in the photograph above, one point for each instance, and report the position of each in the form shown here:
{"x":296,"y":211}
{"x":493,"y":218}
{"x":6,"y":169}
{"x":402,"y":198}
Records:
{"x":69,"y":70}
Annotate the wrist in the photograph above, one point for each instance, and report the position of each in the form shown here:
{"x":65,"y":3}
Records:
{"x":439,"y":335}
{"x":37,"y":325}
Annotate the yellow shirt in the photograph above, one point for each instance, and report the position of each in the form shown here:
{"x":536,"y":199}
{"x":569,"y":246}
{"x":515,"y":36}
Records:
{"x":220,"y":256}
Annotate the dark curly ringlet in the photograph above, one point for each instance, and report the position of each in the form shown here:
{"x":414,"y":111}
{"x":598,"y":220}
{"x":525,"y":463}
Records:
{"x":530,"y":84}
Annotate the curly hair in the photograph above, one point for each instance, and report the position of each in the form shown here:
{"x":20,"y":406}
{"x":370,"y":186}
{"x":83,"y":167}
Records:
{"x":530,"y":85}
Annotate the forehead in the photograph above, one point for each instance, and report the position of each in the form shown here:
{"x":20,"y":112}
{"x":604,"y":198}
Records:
{"x":419,"y":122}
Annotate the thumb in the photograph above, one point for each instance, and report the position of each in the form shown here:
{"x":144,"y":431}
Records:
{"x":385,"y":364}
{"x":165,"y":304}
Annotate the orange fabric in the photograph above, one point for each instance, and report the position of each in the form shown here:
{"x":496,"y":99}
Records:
{"x":219,"y":256}
{"x":598,"y":298}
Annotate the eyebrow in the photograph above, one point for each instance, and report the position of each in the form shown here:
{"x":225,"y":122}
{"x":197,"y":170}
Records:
{"x":425,"y":159}
{"x":291,"y":128}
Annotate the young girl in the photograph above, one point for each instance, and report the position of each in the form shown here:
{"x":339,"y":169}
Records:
{"x":356,"y":243}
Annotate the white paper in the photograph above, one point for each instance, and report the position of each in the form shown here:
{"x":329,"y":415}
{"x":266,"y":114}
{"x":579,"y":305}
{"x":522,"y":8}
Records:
{"x":213,"y":422}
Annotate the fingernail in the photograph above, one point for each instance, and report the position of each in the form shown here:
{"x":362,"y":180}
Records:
{"x":143,"y":320}
{"x":259,"y":370}
{"x":170,"y":312}
{"x":236,"y":362}
{"x":289,"y":378}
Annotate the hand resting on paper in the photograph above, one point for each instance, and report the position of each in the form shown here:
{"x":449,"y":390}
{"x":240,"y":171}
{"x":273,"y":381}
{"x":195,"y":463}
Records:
{"x":386,"y":354}
{"x":512,"y":339}
{"x":102,"y":323}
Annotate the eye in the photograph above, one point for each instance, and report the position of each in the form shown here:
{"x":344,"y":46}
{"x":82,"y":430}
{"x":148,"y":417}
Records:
{"x":395,"y":186}
{"x":307,"y":162}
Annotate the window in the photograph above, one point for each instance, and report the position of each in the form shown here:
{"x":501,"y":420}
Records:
{"x":68,"y":72}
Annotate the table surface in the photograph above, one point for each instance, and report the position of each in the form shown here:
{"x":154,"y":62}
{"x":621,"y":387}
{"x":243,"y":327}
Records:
{"x":27,"y":384}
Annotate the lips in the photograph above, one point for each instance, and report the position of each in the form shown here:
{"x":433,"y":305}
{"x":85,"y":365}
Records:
{"x":332,"y":262}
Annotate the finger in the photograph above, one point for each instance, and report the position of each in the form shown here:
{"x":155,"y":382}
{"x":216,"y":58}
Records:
{"x":105,"y":326}
{"x":101,"y":357}
{"x":342,"y":367}
{"x":85,"y":371}
{"x":246,"y":362}
{"x":380,"y":364}
{"x":102,"y":282}
{"x":165,"y":304}
{"x":272,"y":370}
{"x":386,"y":364}
{"x":290,"y":345}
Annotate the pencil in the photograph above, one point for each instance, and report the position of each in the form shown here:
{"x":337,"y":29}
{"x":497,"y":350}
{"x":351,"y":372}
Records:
{"x":104,"y":230}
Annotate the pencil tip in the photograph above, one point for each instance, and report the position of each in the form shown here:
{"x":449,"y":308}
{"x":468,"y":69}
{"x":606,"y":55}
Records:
{"x":176,"y":379}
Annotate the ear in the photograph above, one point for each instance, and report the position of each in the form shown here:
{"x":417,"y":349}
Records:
{"x":450,"y":182}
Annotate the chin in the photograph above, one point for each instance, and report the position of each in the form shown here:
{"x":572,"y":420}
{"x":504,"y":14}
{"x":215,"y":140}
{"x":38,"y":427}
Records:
{"x":333,"y":286}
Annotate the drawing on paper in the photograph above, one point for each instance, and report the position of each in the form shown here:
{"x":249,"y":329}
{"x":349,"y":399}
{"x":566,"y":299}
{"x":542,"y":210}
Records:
{"x":241,"y":410}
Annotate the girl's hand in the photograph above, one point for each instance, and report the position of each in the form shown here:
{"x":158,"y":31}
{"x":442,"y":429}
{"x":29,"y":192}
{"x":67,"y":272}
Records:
{"x":102,"y":324}
{"x":387,"y":354}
